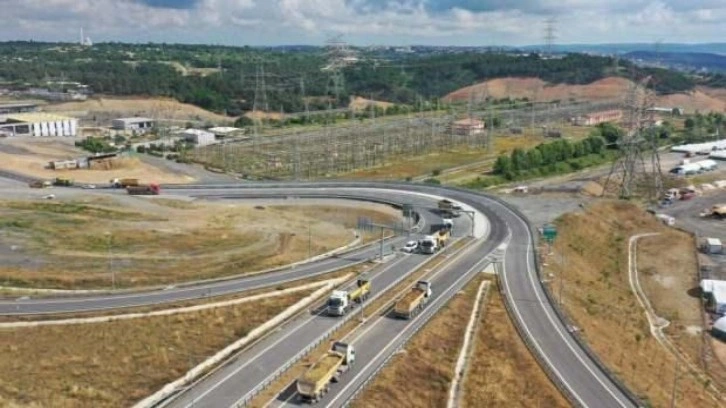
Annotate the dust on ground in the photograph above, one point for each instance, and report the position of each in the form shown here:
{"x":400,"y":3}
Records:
{"x":30,"y":157}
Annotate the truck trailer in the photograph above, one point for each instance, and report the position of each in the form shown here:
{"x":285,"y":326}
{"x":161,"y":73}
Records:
{"x":448,"y":208}
{"x":150,"y":189}
{"x":413,"y":301}
{"x":314,"y":383}
{"x":63,"y":181}
{"x":124,"y":182}
{"x":341,"y":301}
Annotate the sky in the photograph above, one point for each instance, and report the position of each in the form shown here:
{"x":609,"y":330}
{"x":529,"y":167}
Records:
{"x":365,"y":22}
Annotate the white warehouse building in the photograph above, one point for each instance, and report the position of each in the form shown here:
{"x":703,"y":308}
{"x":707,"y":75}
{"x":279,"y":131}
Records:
{"x":198,"y":137}
{"x":133,"y":124}
{"x":38,"y":125}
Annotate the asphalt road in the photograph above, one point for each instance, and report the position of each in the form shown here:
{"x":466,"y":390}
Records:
{"x":583,"y":380}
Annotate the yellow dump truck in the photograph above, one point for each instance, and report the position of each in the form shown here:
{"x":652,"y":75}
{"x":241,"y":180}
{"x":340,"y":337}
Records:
{"x":341,"y":301}
{"x":314,"y":383}
{"x":124,"y":182}
{"x":40,"y":184}
{"x":442,"y":237}
{"x":63,"y":181}
{"x":413,"y":301}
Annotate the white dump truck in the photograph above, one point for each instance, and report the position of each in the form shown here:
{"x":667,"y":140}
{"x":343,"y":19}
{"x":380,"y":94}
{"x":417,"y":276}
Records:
{"x":340,"y":301}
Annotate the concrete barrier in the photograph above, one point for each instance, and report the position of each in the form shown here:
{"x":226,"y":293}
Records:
{"x":218,"y":358}
{"x":172,"y":311}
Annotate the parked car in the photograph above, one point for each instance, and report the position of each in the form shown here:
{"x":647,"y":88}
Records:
{"x":410,"y":247}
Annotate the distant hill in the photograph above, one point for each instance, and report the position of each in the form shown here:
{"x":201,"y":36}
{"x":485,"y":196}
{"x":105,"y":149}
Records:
{"x":624,"y":48}
{"x":702,"y":99}
{"x":682,"y":60}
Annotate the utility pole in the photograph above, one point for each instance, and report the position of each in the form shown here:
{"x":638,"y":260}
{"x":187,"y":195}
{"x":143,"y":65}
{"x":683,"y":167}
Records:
{"x":108,"y":258}
{"x":675,"y":383}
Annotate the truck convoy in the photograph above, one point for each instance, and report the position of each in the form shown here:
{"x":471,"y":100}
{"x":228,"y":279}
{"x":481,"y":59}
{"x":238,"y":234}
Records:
{"x":315,"y":381}
{"x":413,"y":301}
{"x":341,"y":301}
{"x":124,"y":182}
{"x":150,"y":189}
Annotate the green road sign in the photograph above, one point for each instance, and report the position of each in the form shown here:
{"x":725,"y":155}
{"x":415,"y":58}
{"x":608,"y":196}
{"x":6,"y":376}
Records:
{"x":549,"y":232}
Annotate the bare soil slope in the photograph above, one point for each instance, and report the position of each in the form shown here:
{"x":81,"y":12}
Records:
{"x":155,"y":108}
{"x":702,"y":99}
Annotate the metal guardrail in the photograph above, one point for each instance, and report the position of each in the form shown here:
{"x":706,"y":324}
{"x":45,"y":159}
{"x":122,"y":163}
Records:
{"x":421,"y":321}
{"x":564,"y":320}
{"x":275,"y":375}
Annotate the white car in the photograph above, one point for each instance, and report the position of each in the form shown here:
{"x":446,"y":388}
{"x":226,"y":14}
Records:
{"x":410,"y":247}
{"x":49,"y":196}
{"x":89,"y":186}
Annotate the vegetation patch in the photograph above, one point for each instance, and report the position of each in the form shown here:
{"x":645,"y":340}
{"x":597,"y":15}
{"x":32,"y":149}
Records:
{"x":119,"y":363}
{"x":591,"y":258}
{"x":502,"y":371}
{"x":428,"y":362}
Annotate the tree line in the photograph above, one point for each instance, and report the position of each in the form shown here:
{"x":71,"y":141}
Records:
{"x":293,"y":81}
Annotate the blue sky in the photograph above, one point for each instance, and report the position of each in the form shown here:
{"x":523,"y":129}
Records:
{"x":365,"y":22}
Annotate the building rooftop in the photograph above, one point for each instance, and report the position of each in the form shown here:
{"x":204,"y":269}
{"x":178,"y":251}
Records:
{"x":34,"y":117}
{"x":224,"y":129}
{"x":469,"y":122}
{"x":135,"y":120}
{"x":197,"y":132}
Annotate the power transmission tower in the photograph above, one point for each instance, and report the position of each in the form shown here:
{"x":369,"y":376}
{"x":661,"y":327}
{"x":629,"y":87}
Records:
{"x":339,"y":56}
{"x":549,"y":35}
{"x":636,"y":144}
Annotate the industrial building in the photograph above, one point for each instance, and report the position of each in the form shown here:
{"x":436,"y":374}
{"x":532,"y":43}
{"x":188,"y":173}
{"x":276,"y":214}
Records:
{"x":198,"y":137}
{"x":38,"y":125}
{"x":468,"y":127}
{"x":139,"y":125}
{"x":596,"y":118}
{"x":714,"y":292}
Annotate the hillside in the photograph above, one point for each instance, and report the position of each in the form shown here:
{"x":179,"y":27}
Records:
{"x":702,"y":99}
{"x":156,"y":108}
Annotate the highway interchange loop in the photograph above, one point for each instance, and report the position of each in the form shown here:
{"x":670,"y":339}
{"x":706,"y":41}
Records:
{"x":506,"y":239}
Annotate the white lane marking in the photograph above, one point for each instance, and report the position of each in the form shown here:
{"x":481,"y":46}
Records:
{"x":264,"y":351}
{"x":567,"y":339}
{"x":443,"y":297}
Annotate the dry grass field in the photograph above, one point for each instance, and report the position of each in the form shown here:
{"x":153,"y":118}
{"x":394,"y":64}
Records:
{"x":597,"y":296}
{"x":502,"y":371}
{"x":116,"y":364}
{"x":66,"y":245}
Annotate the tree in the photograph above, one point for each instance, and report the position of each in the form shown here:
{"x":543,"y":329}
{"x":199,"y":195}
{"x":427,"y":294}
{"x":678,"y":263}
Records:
{"x":244,"y":121}
{"x":503,"y":165}
{"x":609,"y":132}
{"x":689,"y":123}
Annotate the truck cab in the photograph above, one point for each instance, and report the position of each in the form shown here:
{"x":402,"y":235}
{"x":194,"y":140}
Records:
{"x":424,"y":286}
{"x":428,"y":245}
{"x":337,"y":303}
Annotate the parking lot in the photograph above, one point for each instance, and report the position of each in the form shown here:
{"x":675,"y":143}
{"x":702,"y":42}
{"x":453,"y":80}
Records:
{"x":687,"y":215}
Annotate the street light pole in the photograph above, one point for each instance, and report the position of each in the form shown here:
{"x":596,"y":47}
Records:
{"x":310,"y":241}
{"x":108,"y":258}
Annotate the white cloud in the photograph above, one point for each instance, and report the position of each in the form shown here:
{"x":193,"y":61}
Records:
{"x":391,"y":21}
